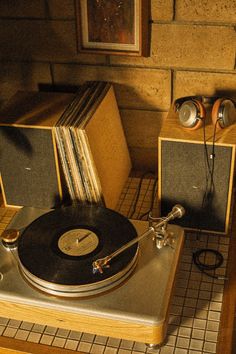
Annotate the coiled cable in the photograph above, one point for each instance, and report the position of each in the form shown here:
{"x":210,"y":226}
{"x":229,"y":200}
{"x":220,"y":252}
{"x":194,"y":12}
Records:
{"x":206,"y":267}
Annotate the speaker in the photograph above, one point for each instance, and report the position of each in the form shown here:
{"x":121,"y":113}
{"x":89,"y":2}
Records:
{"x":196,"y":169}
{"x":199,"y":176}
{"x":28,"y":167}
{"x":29,"y":164}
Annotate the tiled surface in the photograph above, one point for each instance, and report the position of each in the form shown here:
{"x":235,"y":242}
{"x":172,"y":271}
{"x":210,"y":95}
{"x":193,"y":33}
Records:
{"x":195,"y":309}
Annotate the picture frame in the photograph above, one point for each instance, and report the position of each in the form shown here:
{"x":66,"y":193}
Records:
{"x":113,"y":27}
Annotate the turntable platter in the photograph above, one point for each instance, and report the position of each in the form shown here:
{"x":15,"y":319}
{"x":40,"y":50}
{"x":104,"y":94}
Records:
{"x":56,"y":251}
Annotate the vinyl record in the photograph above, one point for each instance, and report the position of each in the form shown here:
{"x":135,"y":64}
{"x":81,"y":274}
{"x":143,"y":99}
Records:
{"x":57,"y":250}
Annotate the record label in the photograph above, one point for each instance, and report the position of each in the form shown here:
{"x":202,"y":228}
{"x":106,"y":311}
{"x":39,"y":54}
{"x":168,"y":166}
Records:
{"x":78,"y":242}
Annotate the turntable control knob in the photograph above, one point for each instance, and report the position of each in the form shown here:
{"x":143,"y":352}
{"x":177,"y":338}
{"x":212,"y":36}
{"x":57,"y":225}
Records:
{"x":9,"y":238}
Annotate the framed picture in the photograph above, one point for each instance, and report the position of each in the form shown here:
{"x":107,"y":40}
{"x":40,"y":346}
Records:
{"x":113,"y":26}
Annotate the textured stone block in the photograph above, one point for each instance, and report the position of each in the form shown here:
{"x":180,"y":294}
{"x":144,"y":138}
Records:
{"x":61,"y":9}
{"x":142,"y":127}
{"x":41,"y":40}
{"x":21,"y":76}
{"x":144,"y":159}
{"x":194,"y":46}
{"x":129,"y":60}
{"x":204,"y":83}
{"x":23,"y":8}
{"x":201,"y":10}
{"x":188,"y":46}
{"x":135,"y":87}
{"x":162,"y":10}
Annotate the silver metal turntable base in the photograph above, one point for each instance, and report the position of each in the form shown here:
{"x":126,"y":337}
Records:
{"x":136,"y":310}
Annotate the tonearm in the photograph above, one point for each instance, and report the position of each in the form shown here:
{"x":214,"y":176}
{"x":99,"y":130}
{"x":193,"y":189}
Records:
{"x":157,"y":229}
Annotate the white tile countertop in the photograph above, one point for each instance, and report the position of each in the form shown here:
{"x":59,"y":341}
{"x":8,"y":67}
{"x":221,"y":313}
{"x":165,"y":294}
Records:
{"x":195,"y":307}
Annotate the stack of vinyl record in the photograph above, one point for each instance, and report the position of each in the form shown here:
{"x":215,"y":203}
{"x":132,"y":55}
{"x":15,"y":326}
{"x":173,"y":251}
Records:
{"x":88,"y":139}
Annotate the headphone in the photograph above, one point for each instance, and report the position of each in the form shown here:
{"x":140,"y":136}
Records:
{"x":192,"y":112}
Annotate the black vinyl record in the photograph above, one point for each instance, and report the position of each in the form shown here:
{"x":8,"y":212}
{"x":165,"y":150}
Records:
{"x":50,"y":248}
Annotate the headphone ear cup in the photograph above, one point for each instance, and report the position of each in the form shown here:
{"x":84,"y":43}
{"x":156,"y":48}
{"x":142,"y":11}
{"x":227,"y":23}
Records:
{"x":215,"y":113}
{"x":191,"y":114}
{"x":223,"y":113}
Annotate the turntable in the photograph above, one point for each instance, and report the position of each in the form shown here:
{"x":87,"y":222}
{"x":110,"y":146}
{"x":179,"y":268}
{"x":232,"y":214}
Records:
{"x":90,"y":269}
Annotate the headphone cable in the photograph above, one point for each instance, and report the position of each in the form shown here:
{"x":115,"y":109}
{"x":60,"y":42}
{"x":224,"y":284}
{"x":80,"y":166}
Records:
{"x":206,"y":268}
{"x":208,"y":196}
{"x":209,"y":172}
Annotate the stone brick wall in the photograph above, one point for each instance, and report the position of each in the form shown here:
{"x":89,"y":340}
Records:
{"x":192,"y":51}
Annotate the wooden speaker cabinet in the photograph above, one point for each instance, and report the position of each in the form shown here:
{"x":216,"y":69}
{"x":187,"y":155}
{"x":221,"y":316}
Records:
{"x":196,"y":170}
{"x":29,"y":164}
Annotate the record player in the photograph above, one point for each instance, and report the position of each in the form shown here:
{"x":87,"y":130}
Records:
{"x":90,"y":269}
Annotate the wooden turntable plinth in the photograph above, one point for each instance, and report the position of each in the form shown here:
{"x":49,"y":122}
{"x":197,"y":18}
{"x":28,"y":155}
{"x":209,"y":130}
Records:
{"x":136,"y":310}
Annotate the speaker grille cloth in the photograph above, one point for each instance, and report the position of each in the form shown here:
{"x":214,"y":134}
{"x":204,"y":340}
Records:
{"x":27,"y":165}
{"x":184,"y":180}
